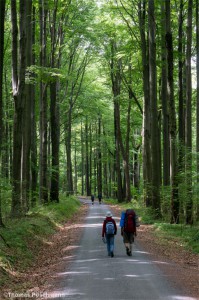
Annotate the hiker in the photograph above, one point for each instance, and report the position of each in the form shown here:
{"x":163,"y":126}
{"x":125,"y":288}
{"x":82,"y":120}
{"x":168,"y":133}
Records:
{"x":92,"y":199}
{"x":128,"y":229}
{"x":100,"y":198}
{"x":109,"y":230}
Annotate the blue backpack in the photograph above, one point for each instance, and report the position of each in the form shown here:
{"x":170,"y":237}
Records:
{"x":110,"y":228}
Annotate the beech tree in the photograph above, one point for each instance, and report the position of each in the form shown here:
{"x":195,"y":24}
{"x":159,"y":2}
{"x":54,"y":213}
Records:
{"x":18,"y":89}
{"x":2,"y":18}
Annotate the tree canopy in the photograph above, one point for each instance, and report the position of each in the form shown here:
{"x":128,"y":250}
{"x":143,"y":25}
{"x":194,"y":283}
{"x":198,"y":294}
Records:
{"x":100,"y":97}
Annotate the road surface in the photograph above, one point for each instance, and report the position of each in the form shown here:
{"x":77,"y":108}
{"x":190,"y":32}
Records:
{"x":93,"y":275}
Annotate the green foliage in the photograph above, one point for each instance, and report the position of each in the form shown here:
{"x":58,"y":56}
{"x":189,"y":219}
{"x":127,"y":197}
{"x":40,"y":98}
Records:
{"x":186,"y":236}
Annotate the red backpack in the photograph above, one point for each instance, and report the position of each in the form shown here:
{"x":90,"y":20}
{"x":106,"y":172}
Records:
{"x":130,"y":221}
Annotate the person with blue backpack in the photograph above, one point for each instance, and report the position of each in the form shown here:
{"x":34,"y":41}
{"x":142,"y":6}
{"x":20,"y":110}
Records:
{"x":109,"y":230}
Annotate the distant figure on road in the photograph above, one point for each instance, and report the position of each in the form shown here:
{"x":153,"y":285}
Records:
{"x":109,"y":230}
{"x":128,"y":229}
{"x":92,"y":199}
{"x":100,"y":198}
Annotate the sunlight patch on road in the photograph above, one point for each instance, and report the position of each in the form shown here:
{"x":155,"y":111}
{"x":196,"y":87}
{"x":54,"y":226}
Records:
{"x":161,"y":262}
{"x":86,"y":260}
{"x":182,"y":298}
{"x":132,"y":276}
{"x":73,"y":273}
{"x":96,"y":217}
{"x":91,"y":225}
{"x":141,"y":252}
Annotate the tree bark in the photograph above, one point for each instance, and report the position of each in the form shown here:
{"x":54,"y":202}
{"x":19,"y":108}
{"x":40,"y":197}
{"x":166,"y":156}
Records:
{"x":172,"y":114}
{"x":43,"y":193}
{"x":54,"y":112}
{"x":197,"y":97}
{"x":2,"y":18}
{"x":181,"y":105}
{"x":188,"y":118}
{"x":164,"y":98}
{"x":26,"y":145}
{"x":146,"y":130}
{"x":87,"y":171}
{"x":116,"y":85}
{"x":18,"y":88}
{"x":34,"y":173}
{"x":99,"y":159}
{"x":155,"y":143}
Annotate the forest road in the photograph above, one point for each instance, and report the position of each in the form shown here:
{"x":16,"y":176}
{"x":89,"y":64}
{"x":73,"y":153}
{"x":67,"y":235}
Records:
{"x":93,"y":275}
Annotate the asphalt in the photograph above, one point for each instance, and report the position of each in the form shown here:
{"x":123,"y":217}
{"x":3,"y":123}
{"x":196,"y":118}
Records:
{"x":93,"y":275}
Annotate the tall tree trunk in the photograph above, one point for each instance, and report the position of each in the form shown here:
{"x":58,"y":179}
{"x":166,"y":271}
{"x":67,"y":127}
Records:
{"x":55,"y":138}
{"x":54,"y":114}
{"x":2,"y":18}
{"x":197,"y":119}
{"x":146,"y":131}
{"x":87,"y":171}
{"x":68,"y":151}
{"x":173,"y":150}
{"x":99,"y":159}
{"x":164,"y":98}
{"x":43,"y":193}
{"x":82,"y":159}
{"x":181,"y":105}
{"x":116,"y":85}
{"x":188,"y":118}
{"x":155,"y":143}
{"x":34,"y":172}
{"x":18,"y":88}
{"x":27,"y":116}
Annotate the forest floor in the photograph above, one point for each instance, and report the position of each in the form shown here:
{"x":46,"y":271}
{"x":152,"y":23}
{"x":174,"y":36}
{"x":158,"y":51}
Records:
{"x":183,"y":266}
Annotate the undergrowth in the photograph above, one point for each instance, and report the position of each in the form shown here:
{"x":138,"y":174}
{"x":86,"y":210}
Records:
{"x":20,"y":236}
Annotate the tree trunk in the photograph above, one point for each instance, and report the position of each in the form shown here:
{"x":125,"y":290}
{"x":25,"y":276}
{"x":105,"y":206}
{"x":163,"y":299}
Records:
{"x":54,"y":113}
{"x":197,"y":88}
{"x":155,"y":143}
{"x":27,"y":116}
{"x":146,"y":131}
{"x":99,"y":159}
{"x":82,"y":160}
{"x":2,"y":18}
{"x":43,"y":195}
{"x":173,"y":150}
{"x":181,"y":106}
{"x":68,"y":152}
{"x":164,"y":98}
{"x":33,"y":129}
{"x":188,"y":118}
{"x":116,"y":85}
{"x":87,"y":171}
{"x":55,"y":137}
{"x":18,"y":88}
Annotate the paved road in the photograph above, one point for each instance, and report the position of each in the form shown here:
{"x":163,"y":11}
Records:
{"x":95,"y":276}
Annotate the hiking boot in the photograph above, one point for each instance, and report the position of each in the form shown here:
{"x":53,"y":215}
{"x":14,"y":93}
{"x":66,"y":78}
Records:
{"x":127,"y":251}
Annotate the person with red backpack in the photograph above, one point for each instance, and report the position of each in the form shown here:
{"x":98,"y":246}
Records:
{"x":109,"y":230}
{"x":128,"y":229}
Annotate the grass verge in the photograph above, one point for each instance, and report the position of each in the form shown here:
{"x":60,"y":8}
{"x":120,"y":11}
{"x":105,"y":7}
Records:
{"x":21,"y":239}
